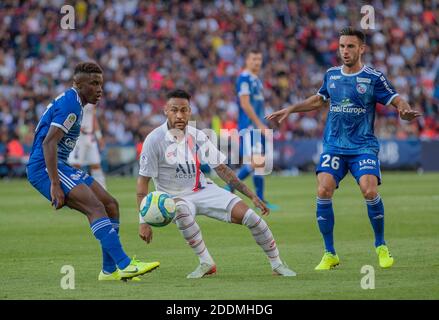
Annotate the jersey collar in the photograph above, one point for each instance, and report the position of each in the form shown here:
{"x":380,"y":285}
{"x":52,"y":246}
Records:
{"x":352,"y":74}
{"x":251,"y":75}
{"x":77,"y":96}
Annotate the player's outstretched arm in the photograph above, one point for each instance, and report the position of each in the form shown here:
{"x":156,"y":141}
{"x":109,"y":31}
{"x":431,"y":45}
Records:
{"x":312,"y":103}
{"x":145,"y":231}
{"x":404,"y":109}
{"x":50,"y":150}
{"x":229,"y":177}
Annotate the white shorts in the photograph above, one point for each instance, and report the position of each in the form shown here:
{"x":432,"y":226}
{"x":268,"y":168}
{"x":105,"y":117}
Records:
{"x":86,"y":151}
{"x":212,"y":201}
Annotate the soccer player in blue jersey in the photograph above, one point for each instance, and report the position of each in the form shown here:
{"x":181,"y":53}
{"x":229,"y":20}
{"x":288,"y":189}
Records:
{"x":49,"y":173}
{"x":249,"y":89}
{"x":349,"y":144}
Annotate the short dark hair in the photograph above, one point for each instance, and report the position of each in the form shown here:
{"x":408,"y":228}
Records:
{"x":253,"y":51}
{"x":178,"y":93}
{"x":87,"y":67}
{"x":350,"y":31}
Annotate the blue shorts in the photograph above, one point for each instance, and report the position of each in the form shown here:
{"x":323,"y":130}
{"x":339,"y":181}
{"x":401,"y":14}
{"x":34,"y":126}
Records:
{"x":359,"y":165}
{"x":252,"y":142}
{"x":70,"y":177}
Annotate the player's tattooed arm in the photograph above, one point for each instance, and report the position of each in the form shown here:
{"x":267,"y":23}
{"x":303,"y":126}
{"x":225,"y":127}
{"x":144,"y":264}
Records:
{"x":229,"y":177}
{"x":404,"y":109}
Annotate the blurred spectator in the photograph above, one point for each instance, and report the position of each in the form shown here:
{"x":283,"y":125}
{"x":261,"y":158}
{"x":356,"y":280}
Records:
{"x":16,"y":158}
{"x":3,"y":151}
{"x":149,"y":47}
{"x":430,"y":130}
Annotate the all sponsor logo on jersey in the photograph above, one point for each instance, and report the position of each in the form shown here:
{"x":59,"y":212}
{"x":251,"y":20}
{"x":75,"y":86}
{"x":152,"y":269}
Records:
{"x":386,"y":85}
{"x":185,"y":171}
{"x":334,"y":77}
{"x":171,"y":154}
{"x":367,"y":162}
{"x":347,"y":107}
{"x":75,"y":176}
{"x":70,"y":121}
{"x":70,"y":143}
{"x":364,"y":80}
{"x":361,"y":88}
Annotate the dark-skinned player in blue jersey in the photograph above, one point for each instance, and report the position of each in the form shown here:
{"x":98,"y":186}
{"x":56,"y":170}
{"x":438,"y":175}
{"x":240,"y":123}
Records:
{"x":63,"y":185}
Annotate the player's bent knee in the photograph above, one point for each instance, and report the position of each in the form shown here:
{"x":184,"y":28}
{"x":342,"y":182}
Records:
{"x":112,"y":208}
{"x":96,"y":209}
{"x":182,"y":211}
{"x":325,"y":192}
{"x":238,"y":212}
{"x":370,"y":193}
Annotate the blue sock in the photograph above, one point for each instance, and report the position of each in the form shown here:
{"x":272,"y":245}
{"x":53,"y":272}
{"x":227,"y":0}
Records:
{"x":108,"y":265}
{"x":244,"y":171}
{"x":103,"y":231}
{"x":375,"y":210}
{"x":325,"y":220}
{"x":258,"y":181}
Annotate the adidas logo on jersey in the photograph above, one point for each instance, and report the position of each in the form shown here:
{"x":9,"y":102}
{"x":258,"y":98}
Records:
{"x":332,"y":85}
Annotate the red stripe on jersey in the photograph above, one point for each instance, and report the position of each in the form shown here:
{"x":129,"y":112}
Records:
{"x":197,"y":164}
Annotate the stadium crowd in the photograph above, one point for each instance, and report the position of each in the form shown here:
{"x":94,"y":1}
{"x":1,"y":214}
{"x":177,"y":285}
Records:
{"x":149,"y":47}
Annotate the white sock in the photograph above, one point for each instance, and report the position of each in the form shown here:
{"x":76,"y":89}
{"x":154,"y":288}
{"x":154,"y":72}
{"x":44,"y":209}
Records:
{"x":192,"y":233}
{"x":263,"y":236}
{"x":99,"y":176}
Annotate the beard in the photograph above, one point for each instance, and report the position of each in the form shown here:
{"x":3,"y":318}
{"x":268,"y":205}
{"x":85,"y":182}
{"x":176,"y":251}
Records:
{"x":352,"y":61}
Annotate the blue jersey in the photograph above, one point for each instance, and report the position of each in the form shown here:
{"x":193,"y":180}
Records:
{"x":349,"y":127}
{"x":248,"y":84}
{"x":64,"y":112}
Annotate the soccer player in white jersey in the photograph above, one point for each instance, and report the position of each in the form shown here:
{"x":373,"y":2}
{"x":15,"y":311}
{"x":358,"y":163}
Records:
{"x":86,"y":151}
{"x":171,"y":156}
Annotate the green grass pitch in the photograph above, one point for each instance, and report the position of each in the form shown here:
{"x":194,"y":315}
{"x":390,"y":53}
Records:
{"x":36,"y":242}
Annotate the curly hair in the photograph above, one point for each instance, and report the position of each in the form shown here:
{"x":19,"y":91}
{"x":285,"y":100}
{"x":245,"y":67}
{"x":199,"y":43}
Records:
{"x":87,"y":67}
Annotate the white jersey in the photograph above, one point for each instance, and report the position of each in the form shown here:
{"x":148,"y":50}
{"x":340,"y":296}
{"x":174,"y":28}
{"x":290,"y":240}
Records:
{"x":175,"y":165}
{"x":87,"y":124}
